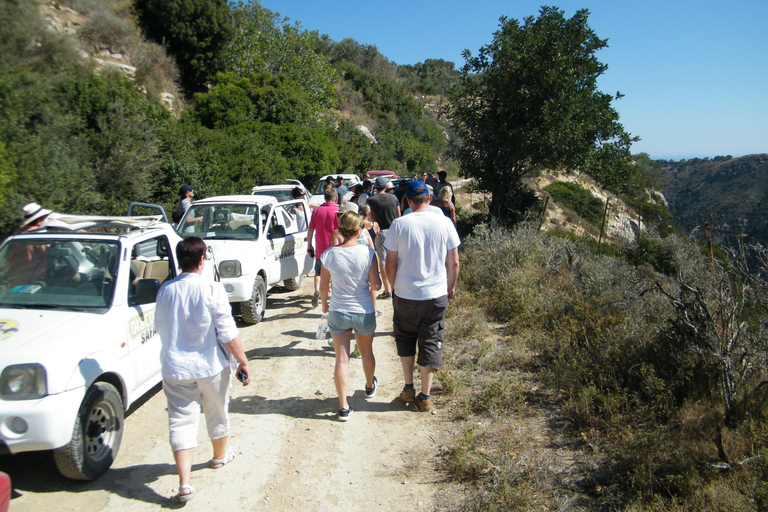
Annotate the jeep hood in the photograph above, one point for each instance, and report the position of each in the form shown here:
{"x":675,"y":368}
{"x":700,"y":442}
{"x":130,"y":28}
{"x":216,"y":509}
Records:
{"x":30,"y":335}
{"x":241,"y":250}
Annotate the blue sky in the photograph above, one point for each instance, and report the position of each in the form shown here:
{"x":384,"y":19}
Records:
{"x":694,"y":73}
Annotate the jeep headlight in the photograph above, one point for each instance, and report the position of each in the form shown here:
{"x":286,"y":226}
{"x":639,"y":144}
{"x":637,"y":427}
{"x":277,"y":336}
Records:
{"x":230,"y":268}
{"x":23,"y":382}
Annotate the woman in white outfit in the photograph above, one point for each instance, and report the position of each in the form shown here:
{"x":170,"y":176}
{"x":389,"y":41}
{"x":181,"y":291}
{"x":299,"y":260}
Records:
{"x":351,"y":269}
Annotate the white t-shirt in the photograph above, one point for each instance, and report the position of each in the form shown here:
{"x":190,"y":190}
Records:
{"x":433,"y":209}
{"x":349,"y":267}
{"x":422,"y":241}
{"x":191,"y":311}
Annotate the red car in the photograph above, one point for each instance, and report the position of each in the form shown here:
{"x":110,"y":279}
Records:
{"x":5,"y":492}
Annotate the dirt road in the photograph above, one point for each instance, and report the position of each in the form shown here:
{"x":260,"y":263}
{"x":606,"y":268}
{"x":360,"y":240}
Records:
{"x":292,"y":453}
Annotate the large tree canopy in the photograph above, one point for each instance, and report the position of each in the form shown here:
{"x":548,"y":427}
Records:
{"x":195,"y":33}
{"x":529,"y":100}
{"x":265,"y":41}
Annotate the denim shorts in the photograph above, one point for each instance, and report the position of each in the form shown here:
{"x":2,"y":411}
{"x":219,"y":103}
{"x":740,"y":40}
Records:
{"x":363,"y":324}
{"x":318,"y":266}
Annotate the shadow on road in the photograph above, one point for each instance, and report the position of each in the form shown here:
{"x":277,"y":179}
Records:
{"x":36,"y":472}
{"x":321,"y":408}
{"x":289,"y":350}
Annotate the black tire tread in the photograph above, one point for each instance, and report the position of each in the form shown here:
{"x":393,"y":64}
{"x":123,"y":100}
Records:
{"x":70,"y":458}
{"x":248,"y":308}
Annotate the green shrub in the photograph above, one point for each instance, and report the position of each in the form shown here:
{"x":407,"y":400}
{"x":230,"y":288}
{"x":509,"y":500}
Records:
{"x":578,"y":199}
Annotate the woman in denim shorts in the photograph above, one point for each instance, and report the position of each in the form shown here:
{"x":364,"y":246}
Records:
{"x":352,"y":270}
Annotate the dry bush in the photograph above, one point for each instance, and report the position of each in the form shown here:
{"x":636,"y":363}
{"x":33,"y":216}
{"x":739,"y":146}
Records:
{"x":105,"y":30}
{"x":156,"y":71}
{"x":633,"y":352}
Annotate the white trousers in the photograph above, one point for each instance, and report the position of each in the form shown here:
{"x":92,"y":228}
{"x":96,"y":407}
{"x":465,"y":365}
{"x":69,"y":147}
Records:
{"x":184,"y":400}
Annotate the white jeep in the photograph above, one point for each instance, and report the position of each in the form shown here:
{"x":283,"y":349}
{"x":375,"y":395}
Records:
{"x":78,"y":344}
{"x":350,"y":180}
{"x":259,"y":243}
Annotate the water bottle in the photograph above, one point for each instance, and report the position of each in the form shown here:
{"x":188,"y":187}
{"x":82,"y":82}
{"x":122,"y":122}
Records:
{"x":322,"y":329}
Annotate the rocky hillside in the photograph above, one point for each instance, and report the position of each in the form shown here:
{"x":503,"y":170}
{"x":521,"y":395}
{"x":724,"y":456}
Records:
{"x":114,"y":43}
{"x":621,"y":221}
{"x":731,"y":194}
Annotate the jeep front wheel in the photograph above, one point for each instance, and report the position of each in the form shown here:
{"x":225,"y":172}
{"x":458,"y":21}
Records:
{"x":252,"y":310}
{"x":96,"y":436}
{"x":293,"y":283}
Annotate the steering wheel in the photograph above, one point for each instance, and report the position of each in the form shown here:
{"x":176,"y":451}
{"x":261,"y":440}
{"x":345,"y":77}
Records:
{"x":248,"y":228}
{"x":221,"y":226}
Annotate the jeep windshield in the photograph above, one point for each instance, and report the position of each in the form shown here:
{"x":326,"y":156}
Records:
{"x":281,"y":194}
{"x":224,"y":221}
{"x":54,"y":273}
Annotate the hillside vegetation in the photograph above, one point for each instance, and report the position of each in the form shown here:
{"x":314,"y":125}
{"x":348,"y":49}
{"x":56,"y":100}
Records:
{"x":82,"y":136}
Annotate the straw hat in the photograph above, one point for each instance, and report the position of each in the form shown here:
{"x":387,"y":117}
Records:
{"x":32,"y":212}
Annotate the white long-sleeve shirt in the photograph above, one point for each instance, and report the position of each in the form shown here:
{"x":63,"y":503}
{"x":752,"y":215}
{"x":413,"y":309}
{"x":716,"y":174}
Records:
{"x":191,"y":312}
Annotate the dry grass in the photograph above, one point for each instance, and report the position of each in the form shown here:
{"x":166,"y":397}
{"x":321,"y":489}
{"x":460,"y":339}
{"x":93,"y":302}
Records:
{"x":566,"y":399}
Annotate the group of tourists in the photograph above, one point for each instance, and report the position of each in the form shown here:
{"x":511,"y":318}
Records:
{"x":358,"y":249}
{"x":414,"y":254}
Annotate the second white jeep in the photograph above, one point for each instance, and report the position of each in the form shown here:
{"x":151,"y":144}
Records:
{"x":259,"y":243}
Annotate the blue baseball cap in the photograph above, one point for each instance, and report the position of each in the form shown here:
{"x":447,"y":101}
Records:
{"x":416,"y":188}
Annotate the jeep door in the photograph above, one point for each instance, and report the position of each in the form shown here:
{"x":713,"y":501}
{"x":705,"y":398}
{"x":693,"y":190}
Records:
{"x":150,"y":263}
{"x":287,"y":245}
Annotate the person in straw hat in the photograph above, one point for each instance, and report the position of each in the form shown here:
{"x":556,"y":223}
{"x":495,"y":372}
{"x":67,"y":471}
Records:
{"x":34,"y":216}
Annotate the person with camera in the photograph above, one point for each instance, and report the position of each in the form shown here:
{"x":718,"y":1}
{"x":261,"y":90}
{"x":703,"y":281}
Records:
{"x":198,"y":334}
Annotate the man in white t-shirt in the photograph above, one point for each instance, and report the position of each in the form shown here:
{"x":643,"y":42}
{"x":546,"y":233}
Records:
{"x":423,"y":264}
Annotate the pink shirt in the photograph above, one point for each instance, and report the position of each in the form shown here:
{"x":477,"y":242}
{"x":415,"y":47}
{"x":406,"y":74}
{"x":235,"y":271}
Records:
{"x":324,"y":222}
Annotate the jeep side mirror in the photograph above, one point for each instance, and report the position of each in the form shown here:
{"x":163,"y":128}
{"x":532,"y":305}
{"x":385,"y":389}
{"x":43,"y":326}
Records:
{"x":146,"y":291}
{"x":276,"y":231}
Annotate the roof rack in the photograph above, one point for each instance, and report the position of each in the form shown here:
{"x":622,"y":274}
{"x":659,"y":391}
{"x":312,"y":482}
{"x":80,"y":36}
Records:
{"x":78,"y":222}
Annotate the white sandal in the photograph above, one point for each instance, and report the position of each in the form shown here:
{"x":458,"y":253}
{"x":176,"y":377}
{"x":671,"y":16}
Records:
{"x":229,"y":456}
{"x":186,"y":497}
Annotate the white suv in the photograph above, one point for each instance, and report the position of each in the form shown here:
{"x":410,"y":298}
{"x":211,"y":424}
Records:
{"x":350,"y":180}
{"x":79,"y":345}
{"x":280,"y":192}
{"x":259,"y":243}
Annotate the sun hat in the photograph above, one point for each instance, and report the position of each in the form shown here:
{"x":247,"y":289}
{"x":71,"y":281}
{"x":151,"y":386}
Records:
{"x":348,"y":207}
{"x":390,"y":185}
{"x":413,"y":188}
{"x":32,"y":212}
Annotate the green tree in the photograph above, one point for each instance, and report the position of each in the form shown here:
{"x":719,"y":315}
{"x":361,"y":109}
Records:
{"x":196,"y":32}
{"x":529,"y":101}
{"x":254,"y":97}
{"x":265,"y":41}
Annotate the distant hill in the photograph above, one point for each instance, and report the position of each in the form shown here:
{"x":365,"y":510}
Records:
{"x":731,"y":194}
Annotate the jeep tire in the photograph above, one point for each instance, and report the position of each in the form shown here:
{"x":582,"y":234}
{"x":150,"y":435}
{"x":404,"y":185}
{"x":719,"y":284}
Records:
{"x":293,"y":283}
{"x":252,"y":310}
{"x":96,"y":436}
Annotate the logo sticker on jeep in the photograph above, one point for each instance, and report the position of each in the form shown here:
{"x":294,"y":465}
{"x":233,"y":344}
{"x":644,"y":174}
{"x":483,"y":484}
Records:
{"x":142,"y":325}
{"x":7,"y":328}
